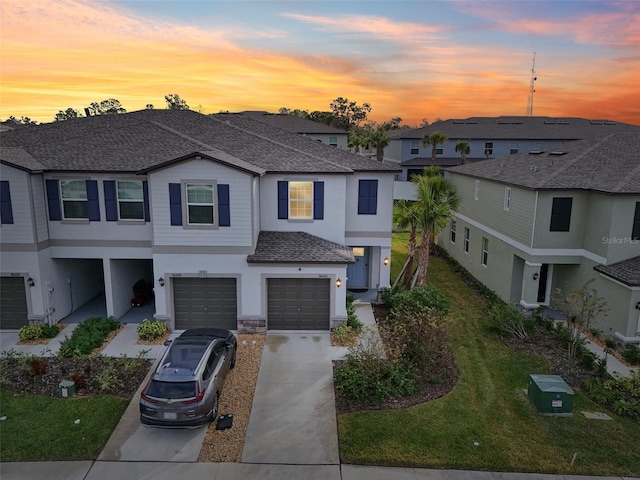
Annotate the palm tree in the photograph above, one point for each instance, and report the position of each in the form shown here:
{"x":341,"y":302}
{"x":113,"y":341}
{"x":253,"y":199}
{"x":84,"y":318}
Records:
{"x":437,"y":203}
{"x":464,"y":149}
{"x":404,"y":217}
{"x":379,"y":139}
{"x":434,"y":139}
{"x":356,"y":139}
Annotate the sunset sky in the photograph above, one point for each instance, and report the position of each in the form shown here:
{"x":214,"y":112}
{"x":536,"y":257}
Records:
{"x":413,"y":59}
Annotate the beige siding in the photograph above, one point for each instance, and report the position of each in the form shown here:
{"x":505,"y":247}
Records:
{"x":574,"y":238}
{"x":488,"y":210}
{"x":240,"y":194}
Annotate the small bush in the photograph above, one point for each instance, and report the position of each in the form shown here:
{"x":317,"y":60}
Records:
{"x":611,"y":343}
{"x":151,"y":330}
{"x":506,"y":319}
{"x":30,"y":332}
{"x":50,"y":331}
{"x":631,"y":354}
{"x":416,"y":300}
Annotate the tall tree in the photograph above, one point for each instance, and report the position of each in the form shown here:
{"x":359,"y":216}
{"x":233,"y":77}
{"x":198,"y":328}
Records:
{"x":174,"y":102}
{"x":149,"y":106}
{"x":379,"y":139}
{"x":463,"y":148}
{"x":405,"y":218}
{"x":437,"y":203}
{"x":349,"y":114}
{"x":110,"y":106}
{"x":357,"y":138}
{"x":22,"y":120}
{"x":67,"y":114}
{"x":434,"y":139}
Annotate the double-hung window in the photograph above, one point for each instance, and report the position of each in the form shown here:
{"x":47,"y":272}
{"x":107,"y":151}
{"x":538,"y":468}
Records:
{"x":333,"y":141}
{"x":635,"y":230}
{"x":485,"y":251}
{"x":200,"y":204}
{"x":488,"y":149}
{"x":415,"y":148}
{"x":452,"y":235}
{"x":301,"y":200}
{"x":561,"y":214}
{"x":130,"y":200}
{"x":74,"y":199}
{"x":515,"y":148}
{"x":507,"y":198}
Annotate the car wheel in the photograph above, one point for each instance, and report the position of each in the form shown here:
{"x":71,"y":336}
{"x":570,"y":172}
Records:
{"x":233,"y":358}
{"x":214,"y":409}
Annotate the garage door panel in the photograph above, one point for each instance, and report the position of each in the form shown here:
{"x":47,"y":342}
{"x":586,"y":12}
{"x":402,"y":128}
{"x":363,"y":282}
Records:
{"x":13,"y":302}
{"x":205,"y":302}
{"x":298,"y":303}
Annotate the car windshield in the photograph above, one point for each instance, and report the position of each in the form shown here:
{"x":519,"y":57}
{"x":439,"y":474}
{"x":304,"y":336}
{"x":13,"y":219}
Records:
{"x":171,"y":390}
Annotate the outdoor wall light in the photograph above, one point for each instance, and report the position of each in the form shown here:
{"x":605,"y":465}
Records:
{"x":161,"y":281}
{"x":386,"y":260}
{"x":535,"y":276}
{"x":638,"y":306}
{"x":338,"y":283}
{"x":31,"y":282}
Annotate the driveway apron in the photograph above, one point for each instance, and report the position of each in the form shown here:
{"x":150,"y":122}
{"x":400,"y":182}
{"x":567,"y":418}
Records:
{"x":293,"y":417}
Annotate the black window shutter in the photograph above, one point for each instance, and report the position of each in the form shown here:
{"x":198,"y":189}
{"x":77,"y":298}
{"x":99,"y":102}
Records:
{"x":6,"y":210}
{"x":367,"y":197}
{"x":561,"y":214}
{"x":145,"y":200}
{"x":110,"y":201}
{"x":53,"y":200}
{"x":318,"y":200}
{"x":175,"y":203}
{"x":224,"y":207}
{"x":93,"y":205}
{"x":283,"y":200}
{"x":635,"y":232}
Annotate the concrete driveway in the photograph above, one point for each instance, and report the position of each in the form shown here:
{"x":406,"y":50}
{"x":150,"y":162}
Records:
{"x":293,"y":418}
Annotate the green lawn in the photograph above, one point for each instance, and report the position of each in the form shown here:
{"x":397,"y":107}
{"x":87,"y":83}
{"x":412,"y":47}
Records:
{"x":487,"y":407}
{"x":40,"y":428}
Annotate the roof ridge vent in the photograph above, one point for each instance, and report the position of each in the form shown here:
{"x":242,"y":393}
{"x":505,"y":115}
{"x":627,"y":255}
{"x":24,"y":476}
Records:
{"x":610,"y":122}
{"x":557,"y":153}
{"x":458,"y":121}
{"x":536,"y":152}
{"x":533,"y":168}
{"x":551,"y":122}
{"x":471,"y":122}
{"x":597,"y":122}
{"x":563,"y":122}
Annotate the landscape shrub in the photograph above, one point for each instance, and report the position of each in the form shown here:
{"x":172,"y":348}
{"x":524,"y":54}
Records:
{"x":352,"y":319}
{"x":50,"y":331}
{"x":416,"y":300}
{"x":621,"y":394}
{"x":151,"y":330}
{"x":32,"y":331}
{"x":507,"y":320}
{"x":87,"y":336}
{"x":631,"y":354}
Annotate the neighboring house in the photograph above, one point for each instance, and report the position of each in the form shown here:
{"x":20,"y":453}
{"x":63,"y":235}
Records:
{"x":291,"y":123}
{"x":555,"y":218}
{"x":235,"y":223}
{"x":491,"y":137}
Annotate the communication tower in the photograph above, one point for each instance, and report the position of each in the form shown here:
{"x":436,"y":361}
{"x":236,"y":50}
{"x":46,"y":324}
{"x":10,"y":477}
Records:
{"x":532,"y":88}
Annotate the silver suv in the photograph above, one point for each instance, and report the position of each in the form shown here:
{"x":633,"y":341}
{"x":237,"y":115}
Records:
{"x":185,"y":387}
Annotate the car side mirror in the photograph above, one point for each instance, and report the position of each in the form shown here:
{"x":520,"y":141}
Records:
{"x":167,"y":342}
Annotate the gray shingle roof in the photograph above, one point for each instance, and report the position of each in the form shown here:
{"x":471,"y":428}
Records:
{"x":517,"y":128}
{"x":291,"y":123}
{"x":608,"y":164}
{"x":147,"y":139}
{"x":626,"y":271}
{"x":298,"y":247}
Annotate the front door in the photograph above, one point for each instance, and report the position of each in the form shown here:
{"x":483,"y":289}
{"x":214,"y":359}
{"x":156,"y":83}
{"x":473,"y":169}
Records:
{"x":358,"y":273}
{"x":542,"y":285}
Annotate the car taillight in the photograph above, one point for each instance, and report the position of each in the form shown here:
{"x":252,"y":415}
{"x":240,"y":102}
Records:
{"x":199,"y":396}
{"x":145,"y":397}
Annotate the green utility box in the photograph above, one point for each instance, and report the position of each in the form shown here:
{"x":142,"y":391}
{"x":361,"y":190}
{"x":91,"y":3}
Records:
{"x":67,"y":388}
{"x":550,"y":394}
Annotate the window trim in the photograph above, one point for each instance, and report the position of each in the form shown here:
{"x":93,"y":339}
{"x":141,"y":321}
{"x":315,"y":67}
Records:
{"x":635,"y":226}
{"x":414,"y":150}
{"x":186,"y":224}
{"x":507,"y":199}
{"x":453,"y":231}
{"x":141,"y":201}
{"x":6,"y":208}
{"x":83,"y":200}
{"x":308,"y":202}
{"x":484,"y":259}
{"x":514,"y":148}
{"x":476,"y":192}
{"x":488,"y":149}
{"x":367,"y":196}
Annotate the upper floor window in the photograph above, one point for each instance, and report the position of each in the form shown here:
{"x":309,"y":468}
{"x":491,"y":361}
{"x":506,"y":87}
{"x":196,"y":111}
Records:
{"x":439,"y":151}
{"x":561,"y":214}
{"x":300,"y":200}
{"x":635,"y":231}
{"x":467,"y":235}
{"x":476,"y":193}
{"x":452,"y":235}
{"x":333,"y":141}
{"x":74,"y":199}
{"x":514,"y":148}
{"x":485,"y":251}
{"x":488,"y":149}
{"x":539,"y":146}
{"x":200,"y":204}
{"x":507,"y":198}
{"x":130,"y":200}
{"x":415,"y":148}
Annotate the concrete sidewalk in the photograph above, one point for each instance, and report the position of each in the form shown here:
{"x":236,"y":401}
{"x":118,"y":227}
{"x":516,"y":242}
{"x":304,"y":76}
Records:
{"x":242,"y":471}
